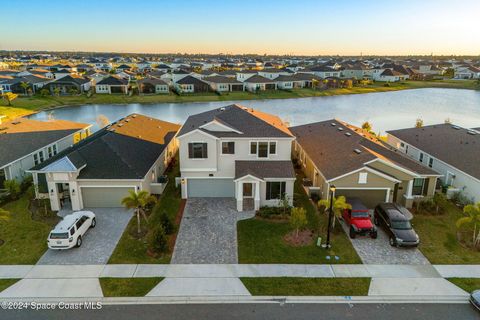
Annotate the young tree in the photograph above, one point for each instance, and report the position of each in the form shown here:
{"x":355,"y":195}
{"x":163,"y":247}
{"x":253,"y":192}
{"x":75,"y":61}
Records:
{"x":367,"y":126}
{"x":284,"y":203}
{"x":56,"y":91}
{"x":138,"y":201}
{"x":73,"y":91}
{"x":419,"y":123}
{"x":298,"y":219}
{"x":339,"y":204}
{"x":13,"y":188}
{"x":44,"y":92}
{"x":9,"y":96}
{"x":157,"y":240}
{"x":24,"y":86}
{"x":473,"y":218}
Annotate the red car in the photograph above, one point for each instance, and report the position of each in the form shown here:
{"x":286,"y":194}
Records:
{"x":358,"y":219}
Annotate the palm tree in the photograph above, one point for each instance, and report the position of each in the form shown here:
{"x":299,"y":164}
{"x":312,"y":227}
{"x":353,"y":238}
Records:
{"x":339,"y":204}
{"x":138,"y":201}
{"x":25,"y":86}
{"x":473,"y":217}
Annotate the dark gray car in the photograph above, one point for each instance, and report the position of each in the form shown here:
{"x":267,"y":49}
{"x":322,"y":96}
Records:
{"x":395,"y":219}
{"x":475,"y":299}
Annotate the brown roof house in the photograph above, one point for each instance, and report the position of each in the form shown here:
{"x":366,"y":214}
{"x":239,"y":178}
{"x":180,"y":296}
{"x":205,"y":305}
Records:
{"x":358,"y":165}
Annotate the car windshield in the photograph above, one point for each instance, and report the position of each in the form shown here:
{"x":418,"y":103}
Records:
{"x":360,"y":214}
{"x":401,"y":224}
{"x":59,"y":235}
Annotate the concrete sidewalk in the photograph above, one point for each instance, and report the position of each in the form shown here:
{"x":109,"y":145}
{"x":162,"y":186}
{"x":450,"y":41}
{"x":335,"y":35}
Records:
{"x":236,"y":270}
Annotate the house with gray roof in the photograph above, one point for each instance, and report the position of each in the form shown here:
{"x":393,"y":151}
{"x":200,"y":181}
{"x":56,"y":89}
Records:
{"x":450,"y":150}
{"x":334,"y":153}
{"x":224,"y":84}
{"x":236,"y":152}
{"x":128,"y":155}
{"x":26,"y":142}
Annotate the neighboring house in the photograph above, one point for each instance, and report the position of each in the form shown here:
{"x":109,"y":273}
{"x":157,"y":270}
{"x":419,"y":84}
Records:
{"x":288,"y":82}
{"x":450,"y":150}
{"x":25,"y":143}
{"x":67,"y":83}
{"x":224,"y":84}
{"x":179,"y":75}
{"x":358,"y":165}
{"x":37,"y":72}
{"x":130,"y":154}
{"x":122,"y":67}
{"x":15,"y":84}
{"x":322,"y":71}
{"x":112,"y":84}
{"x":356,"y":71}
{"x":272,"y":73}
{"x":152,"y":85}
{"x":245,"y":74}
{"x":390,"y":75}
{"x":469,"y":72}
{"x":259,"y":83}
{"x":61,"y":73}
{"x":96,"y":76}
{"x":190,"y":84}
{"x":236,"y":152}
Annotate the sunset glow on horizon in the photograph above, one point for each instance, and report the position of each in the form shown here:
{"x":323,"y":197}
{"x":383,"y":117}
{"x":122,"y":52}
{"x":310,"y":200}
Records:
{"x":234,"y":27}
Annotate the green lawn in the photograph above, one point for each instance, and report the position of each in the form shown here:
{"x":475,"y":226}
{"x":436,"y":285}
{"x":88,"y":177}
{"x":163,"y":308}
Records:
{"x":261,"y":241}
{"x":127,"y":287}
{"x":467,"y":284}
{"x":438,"y":241}
{"x":26,"y":105}
{"x":130,"y":249}
{"x":25,"y":239}
{"x":307,"y":286}
{"x":5,"y":283}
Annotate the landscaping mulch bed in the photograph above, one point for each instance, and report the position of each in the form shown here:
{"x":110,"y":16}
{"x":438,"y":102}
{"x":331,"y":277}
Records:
{"x":304,"y":238}
{"x":178,"y":219}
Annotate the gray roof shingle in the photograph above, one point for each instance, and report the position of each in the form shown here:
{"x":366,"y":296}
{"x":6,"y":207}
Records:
{"x":264,"y":169}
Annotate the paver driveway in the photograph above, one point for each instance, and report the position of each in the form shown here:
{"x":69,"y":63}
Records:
{"x":379,"y":251}
{"x":208,"y":231}
{"x":98,"y":243}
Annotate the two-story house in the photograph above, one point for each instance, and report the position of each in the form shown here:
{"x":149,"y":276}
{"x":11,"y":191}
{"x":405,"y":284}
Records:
{"x":25,"y":143}
{"x":450,"y":150}
{"x":236,"y":152}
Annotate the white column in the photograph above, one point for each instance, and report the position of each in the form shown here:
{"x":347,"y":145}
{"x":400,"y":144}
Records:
{"x":75,"y":196}
{"x":387,"y":197}
{"x":239,"y":195}
{"x":257,"y":196}
{"x":35,"y":183}
{"x":53,"y":195}
{"x":410,"y":189}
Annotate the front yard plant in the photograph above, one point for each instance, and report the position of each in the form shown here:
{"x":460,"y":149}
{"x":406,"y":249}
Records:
{"x":470,"y":223}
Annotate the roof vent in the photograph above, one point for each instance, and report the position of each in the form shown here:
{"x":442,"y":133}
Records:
{"x":471,"y":132}
{"x":456,"y":127}
{"x":333,"y":124}
{"x":16,"y":122}
{"x":120,"y":125}
{"x":222,"y":109}
{"x":357,"y":151}
{"x":134,"y":115}
{"x":340,"y":129}
{"x":348,"y":134}
{"x":127,"y":120}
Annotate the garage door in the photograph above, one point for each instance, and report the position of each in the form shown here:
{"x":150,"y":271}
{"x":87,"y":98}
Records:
{"x":104,"y":197}
{"x":369,"y":198}
{"x":210,"y":188}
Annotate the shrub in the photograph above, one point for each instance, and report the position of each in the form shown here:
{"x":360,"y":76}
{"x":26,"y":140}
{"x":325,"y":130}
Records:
{"x":157,"y":240}
{"x":26,"y":183}
{"x":272,"y":212}
{"x":44,"y":92}
{"x":13,"y":188}
{"x":315,"y":197}
{"x":298,"y":219}
{"x":167,"y":223}
{"x":386,"y":84}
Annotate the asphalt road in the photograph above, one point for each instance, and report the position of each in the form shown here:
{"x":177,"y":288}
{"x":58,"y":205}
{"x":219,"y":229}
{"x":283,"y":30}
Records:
{"x":259,"y":311}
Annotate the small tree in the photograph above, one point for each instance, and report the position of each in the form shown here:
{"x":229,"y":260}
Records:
{"x":167,"y":223}
{"x":284,"y":203}
{"x":473,"y":218}
{"x":138,"y":201}
{"x":367,"y":126}
{"x":440,"y":201}
{"x":157,"y":240}
{"x":419,"y":123}
{"x":73,"y":91}
{"x":9,"y":96}
{"x":24,"y":86}
{"x":298,"y":219}
{"x":339,"y":204}
{"x":13,"y":188}
{"x":56,"y":91}
{"x":44,"y":92}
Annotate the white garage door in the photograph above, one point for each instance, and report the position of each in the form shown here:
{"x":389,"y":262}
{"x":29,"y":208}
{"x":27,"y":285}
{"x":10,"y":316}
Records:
{"x":220,"y":188}
{"x":369,"y":198}
{"x":98,"y":197}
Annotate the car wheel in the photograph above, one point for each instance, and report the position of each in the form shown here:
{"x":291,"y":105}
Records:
{"x":94,"y":222}
{"x":79,"y":241}
{"x":392,"y":242}
{"x":352,"y":233}
{"x":374,"y":235}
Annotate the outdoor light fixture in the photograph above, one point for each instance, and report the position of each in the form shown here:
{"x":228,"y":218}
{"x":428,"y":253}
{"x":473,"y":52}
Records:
{"x":330,"y":211}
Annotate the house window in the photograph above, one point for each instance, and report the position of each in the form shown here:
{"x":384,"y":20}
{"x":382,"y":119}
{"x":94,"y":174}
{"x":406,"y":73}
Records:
{"x":197,"y":150}
{"x":253,"y":148}
{"x":35,"y":159}
{"x":362,"y":177}
{"x":402,"y":145}
{"x":228,"y":147}
{"x":273,"y":148}
{"x":275,"y":190}
{"x":430,"y":162}
{"x":263,"y":149}
{"x":421,"y":157}
{"x":420,"y":187}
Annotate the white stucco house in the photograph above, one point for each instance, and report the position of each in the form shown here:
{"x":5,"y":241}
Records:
{"x":128,"y":155}
{"x":450,"y":150}
{"x":236,"y":152}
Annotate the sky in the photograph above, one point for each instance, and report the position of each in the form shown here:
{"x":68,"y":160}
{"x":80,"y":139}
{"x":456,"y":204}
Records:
{"x":302,"y":27}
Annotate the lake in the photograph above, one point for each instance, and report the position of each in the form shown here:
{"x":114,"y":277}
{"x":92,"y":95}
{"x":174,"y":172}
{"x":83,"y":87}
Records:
{"x":386,"y":110}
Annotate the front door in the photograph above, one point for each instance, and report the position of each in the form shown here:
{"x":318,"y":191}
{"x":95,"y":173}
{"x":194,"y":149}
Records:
{"x":248,"y":190}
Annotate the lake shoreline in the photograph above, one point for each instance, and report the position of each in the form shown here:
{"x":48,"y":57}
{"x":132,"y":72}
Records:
{"x":26,"y":106}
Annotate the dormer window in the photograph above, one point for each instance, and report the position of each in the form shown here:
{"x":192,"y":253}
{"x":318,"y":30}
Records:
{"x":197,"y":150}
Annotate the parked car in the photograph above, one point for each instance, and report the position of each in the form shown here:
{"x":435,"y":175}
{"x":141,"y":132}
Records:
{"x":395,"y":219}
{"x":475,"y":299}
{"x":69,"y":232}
{"x":358,"y":219}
